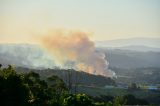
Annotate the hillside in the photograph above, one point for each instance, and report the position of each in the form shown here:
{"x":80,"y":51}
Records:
{"x":126,"y":63}
{"x":137,"y":48}
{"x":75,"y":77}
{"x":131,"y":59}
{"x":149,"y":42}
{"x":32,"y":56}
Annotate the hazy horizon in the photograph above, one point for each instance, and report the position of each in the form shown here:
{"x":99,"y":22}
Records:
{"x":22,"y":20}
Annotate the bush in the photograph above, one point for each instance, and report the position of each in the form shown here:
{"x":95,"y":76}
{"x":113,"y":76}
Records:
{"x":77,"y":100}
{"x":13,"y":92}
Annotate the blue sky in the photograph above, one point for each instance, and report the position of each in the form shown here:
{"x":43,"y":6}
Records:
{"x":105,"y":19}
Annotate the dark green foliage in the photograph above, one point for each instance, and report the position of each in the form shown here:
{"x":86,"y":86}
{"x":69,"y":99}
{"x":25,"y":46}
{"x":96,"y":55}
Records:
{"x":133,"y":86}
{"x":30,"y":90}
{"x":57,"y":90}
{"x":119,"y":101}
{"x":38,"y":88}
{"x":126,"y":99}
{"x":77,"y":100}
{"x":131,"y":100}
{"x":13,"y":91}
{"x":103,"y":98}
{"x":76,"y":77}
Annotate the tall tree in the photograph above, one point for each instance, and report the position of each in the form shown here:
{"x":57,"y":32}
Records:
{"x":13,"y":91}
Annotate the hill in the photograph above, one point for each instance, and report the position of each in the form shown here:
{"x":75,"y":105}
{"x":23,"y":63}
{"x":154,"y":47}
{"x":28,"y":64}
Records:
{"x":137,"y":48}
{"x":72,"y":76}
{"x":131,"y":59}
{"x":32,"y":56}
{"x":149,"y":42}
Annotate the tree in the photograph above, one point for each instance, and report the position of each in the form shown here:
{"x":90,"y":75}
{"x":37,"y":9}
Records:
{"x":0,"y":66}
{"x":77,"y":100}
{"x":38,"y":88}
{"x":69,"y":79}
{"x":13,"y":91}
{"x":57,"y":90}
{"x":28,"y":89}
{"x":133,"y":86}
{"x":131,"y":100}
{"x":119,"y":101}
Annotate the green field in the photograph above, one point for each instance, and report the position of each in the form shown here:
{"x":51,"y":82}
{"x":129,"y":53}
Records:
{"x":97,"y":91}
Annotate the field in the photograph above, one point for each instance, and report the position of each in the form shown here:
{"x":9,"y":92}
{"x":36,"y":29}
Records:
{"x":150,"y":95}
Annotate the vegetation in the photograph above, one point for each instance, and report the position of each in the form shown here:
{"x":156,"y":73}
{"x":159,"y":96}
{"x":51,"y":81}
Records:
{"x":28,"y":89}
{"x":72,"y":76}
{"x":13,"y":91}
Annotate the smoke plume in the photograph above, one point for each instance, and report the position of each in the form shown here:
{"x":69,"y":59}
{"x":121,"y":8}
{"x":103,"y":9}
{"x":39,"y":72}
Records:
{"x":75,"y":50}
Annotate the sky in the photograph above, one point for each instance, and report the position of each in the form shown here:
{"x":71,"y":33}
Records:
{"x":21,"y":20}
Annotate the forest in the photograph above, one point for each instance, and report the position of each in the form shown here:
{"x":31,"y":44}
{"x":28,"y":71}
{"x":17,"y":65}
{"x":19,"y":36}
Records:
{"x":29,"y":89}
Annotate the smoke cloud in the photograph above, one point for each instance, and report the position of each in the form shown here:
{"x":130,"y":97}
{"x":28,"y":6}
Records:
{"x":75,"y":50}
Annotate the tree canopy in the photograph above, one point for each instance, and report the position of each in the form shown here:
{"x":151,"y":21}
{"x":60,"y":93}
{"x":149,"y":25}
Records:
{"x":28,"y":89}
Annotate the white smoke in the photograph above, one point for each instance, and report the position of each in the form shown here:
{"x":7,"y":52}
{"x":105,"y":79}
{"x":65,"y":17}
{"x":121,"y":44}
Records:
{"x":74,"y":49}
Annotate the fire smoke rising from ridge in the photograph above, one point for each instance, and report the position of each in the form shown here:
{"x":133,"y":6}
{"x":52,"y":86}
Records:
{"x":74,"y":49}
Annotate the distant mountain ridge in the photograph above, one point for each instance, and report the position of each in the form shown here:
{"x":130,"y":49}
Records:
{"x":32,"y":56}
{"x":140,"y":48}
{"x":131,"y":59}
{"x":149,"y":42}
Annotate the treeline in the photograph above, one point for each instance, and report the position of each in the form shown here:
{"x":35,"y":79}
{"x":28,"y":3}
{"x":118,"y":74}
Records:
{"x":28,"y":89}
{"x":75,"y":77}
